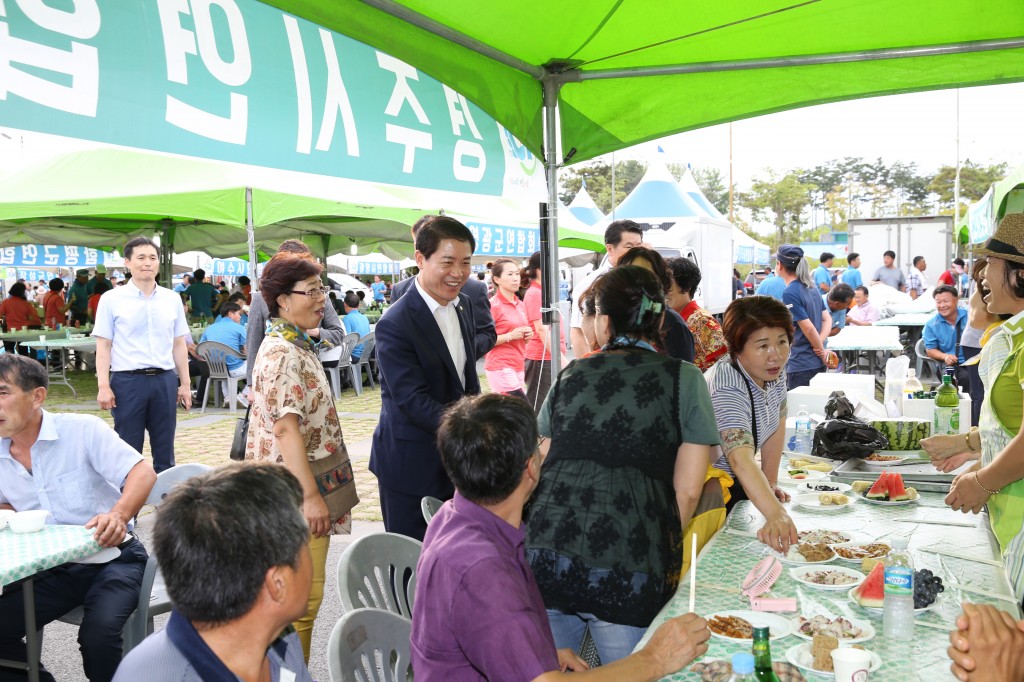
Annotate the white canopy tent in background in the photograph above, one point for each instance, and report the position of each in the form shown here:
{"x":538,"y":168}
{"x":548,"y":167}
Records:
{"x":583,"y":208}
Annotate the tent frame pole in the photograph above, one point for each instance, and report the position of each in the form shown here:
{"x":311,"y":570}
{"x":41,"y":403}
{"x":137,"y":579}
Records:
{"x":250,"y":235}
{"x":550,"y":273}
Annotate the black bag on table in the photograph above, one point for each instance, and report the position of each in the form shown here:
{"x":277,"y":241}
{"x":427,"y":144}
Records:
{"x":843,"y":436}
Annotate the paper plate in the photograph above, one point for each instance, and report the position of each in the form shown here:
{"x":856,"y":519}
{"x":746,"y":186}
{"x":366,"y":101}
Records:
{"x":853,"y":600}
{"x":800,"y":656}
{"x":800,"y":574}
{"x":810,"y":501}
{"x":785,"y":479}
{"x":860,"y":544}
{"x":778,"y":626}
{"x":898,"y":462}
{"x":848,"y":535}
{"x":866,"y":628}
{"x":808,"y":487}
{"x":888,"y":503}
{"x":792,"y":561}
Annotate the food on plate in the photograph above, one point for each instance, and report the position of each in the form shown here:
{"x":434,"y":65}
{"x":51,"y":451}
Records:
{"x":821,"y":650}
{"x":889,"y":488}
{"x":875,"y":457}
{"x":903,"y":433}
{"x":857,"y":552}
{"x":840,"y":628}
{"x":868,"y":563}
{"x":797,"y":463}
{"x":815,"y":551}
{"x":861,"y":486}
{"x":731,"y":626}
{"x":870,"y":592}
{"x":833,"y":498}
{"x":797,"y":474}
{"x":824,"y":488}
{"x":826,"y":537}
{"x":926,"y":588}
{"x":829,"y":578}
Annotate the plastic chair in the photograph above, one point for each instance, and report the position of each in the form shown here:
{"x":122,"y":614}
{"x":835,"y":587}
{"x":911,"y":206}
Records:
{"x":368,"y":341}
{"x":378,"y":571}
{"x":342,"y":355}
{"x":153,"y":599}
{"x":430,"y":506}
{"x":215,"y":354}
{"x":924,"y":361}
{"x":370,"y":645}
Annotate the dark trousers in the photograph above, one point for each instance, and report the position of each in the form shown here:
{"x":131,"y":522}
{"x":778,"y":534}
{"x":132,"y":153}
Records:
{"x":802,"y":378}
{"x":147,"y":403}
{"x":109,"y":592}
{"x":402,"y":512}
{"x":538,"y":383}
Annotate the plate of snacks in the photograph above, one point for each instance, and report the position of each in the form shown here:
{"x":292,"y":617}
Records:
{"x":792,"y":477}
{"x":738,"y":626}
{"x":870,"y":594}
{"x":822,"y":487}
{"x":816,"y":656}
{"x":808,"y":553}
{"x":856,"y":552}
{"x":828,"y":537}
{"x":888,"y":490}
{"x":845,"y":630}
{"x":831,"y":578}
{"x":824,"y":502}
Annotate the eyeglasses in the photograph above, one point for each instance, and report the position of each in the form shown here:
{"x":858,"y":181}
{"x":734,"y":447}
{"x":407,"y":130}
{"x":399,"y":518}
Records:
{"x":316,"y":292}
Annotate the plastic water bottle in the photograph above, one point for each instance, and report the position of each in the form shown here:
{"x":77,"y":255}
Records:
{"x":742,"y":667}
{"x":911,"y":385}
{"x":946,"y":418}
{"x":803,"y":431}
{"x":898,"y":605}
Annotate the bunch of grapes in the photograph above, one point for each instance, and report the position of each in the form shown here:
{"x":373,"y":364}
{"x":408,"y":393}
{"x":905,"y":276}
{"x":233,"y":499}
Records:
{"x":926,"y":588}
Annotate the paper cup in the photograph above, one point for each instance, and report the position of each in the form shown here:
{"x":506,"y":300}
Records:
{"x":851,"y":665}
{"x":42,"y":337}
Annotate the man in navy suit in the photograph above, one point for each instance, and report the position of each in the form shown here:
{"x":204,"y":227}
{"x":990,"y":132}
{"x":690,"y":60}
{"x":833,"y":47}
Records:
{"x":426,"y":354}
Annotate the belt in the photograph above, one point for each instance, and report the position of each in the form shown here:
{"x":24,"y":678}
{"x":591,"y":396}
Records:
{"x":148,"y":371}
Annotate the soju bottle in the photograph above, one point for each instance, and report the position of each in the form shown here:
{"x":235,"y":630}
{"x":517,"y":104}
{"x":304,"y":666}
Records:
{"x":946,"y":418}
{"x":763,"y":657}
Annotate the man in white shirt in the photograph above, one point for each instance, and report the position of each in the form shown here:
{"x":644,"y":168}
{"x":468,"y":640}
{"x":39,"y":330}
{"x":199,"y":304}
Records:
{"x":619,"y":237}
{"x":141,"y":334}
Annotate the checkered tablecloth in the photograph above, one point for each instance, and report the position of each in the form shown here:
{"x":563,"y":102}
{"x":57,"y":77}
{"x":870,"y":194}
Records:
{"x":24,"y":555}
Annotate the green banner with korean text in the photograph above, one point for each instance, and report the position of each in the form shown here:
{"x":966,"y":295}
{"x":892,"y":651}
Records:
{"x":240,"y":81}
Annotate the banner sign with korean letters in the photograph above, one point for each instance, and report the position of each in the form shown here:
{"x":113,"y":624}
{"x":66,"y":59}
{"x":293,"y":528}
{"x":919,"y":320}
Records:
{"x":34,"y":276}
{"x":32,"y":255}
{"x":376,"y":268}
{"x":501,"y":240}
{"x":230,"y":267}
{"x":240,"y":81}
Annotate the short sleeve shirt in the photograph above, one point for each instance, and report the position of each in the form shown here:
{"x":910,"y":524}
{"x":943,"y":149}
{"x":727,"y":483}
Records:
{"x":868,"y":312}
{"x":805,"y":304}
{"x":708,"y":337}
{"x":838,"y":316}
{"x":822,"y":276}
{"x":231,"y":334}
{"x":773,"y":286}
{"x":892,"y":277}
{"x":575,"y":316}
{"x":141,"y":328}
{"x":916,"y":282}
{"x":732,"y":404}
{"x":378,"y":289}
{"x":18,"y":313}
{"x":201,"y":295}
{"x":535,"y":346}
{"x":479,"y":614}
{"x":852,"y":277}
{"x":508,"y":315}
{"x":940,"y":334}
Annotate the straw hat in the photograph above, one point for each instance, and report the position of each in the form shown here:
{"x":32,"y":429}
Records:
{"x":1008,"y":241}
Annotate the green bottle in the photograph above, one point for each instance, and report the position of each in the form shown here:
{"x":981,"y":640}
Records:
{"x":763,"y":657}
{"x":946,"y":418}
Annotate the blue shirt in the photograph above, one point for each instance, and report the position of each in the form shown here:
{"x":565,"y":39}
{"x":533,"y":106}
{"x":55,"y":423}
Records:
{"x":78,"y":467}
{"x":356,"y":322}
{"x":852,"y":277}
{"x":805,"y":304}
{"x":231,"y":334}
{"x":838,"y":316}
{"x":201,"y":295}
{"x":822,"y":276}
{"x":378,"y":289}
{"x":773,"y":286}
{"x":945,"y":336}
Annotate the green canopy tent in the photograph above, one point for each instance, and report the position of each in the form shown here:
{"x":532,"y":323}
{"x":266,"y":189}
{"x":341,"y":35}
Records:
{"x":612,"y":74}
{"x":981,"y":217}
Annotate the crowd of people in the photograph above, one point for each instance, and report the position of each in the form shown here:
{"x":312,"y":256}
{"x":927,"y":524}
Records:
{"x":567,"y":501}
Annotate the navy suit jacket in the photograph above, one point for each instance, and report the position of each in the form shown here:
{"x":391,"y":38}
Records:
{"x":484,"y":334}
{"x":418,"y":382}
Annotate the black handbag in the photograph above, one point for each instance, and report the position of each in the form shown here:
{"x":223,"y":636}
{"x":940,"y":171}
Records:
{"x":241,"y":436}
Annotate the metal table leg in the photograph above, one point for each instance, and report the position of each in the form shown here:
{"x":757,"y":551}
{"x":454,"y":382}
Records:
{"x":31,"y":665}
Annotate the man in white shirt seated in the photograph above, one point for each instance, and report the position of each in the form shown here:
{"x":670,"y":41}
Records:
{"x":77,"y":467}
{"x":864,"y":313}
{"x":234,"y":552}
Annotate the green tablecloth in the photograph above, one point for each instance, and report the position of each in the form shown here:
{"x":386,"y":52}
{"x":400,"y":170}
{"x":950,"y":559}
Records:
{"x":24,"y":555}
{"x":726,"y":560}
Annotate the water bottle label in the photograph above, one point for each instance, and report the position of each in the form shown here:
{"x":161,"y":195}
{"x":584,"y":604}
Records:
{"x":899,"y":581}
{"x":946,"y":420}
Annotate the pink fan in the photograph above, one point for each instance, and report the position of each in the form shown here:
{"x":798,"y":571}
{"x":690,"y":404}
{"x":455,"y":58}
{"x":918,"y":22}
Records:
{"x":760,"y":580}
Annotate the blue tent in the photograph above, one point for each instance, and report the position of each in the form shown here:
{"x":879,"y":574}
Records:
{"x":583,"y":207}
{"x":658,"y":198}
{"x":692,"y":190}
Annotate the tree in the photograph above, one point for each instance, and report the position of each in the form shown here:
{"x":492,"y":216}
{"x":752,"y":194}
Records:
{"x":781,"y":200}
{"x":974,"y":182}
{"x":598,"y":176}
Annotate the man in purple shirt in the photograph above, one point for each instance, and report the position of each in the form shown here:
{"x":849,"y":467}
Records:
{"x":479,"y":614}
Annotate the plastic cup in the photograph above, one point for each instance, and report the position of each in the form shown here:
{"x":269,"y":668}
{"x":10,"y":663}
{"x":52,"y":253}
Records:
{"x":42,"y":338}
{"x":851,"y":665}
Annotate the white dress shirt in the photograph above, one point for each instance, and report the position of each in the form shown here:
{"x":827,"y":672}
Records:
{"x":575,"y":316}
{"x":448,"y":322}
{"x":141,"y":328}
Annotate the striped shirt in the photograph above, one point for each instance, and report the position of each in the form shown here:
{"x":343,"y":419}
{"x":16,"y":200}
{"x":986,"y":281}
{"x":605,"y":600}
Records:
{"x":731,"y":402}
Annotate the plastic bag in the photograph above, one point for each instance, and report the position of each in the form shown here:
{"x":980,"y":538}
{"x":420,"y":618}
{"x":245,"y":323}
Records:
{"x":895,"y":375}
{"x":843,"y":436}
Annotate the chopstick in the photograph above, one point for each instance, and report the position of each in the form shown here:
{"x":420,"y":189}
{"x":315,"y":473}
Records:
{"x":937,"y":626}
{"x":693,"y":573}
{"x":985,"y":593}
{"x":938,"y":523}
{"x":958,"y":555}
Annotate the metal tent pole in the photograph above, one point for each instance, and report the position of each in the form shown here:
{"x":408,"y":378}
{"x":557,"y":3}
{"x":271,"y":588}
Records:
{"x":549,"y":273}
{"x":250,"y":233}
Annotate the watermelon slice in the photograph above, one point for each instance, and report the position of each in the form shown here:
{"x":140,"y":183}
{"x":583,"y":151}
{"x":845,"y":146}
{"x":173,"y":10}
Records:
{"x":897,"y":491}
{"x":880,"y":490}
{"x":871,"y":592}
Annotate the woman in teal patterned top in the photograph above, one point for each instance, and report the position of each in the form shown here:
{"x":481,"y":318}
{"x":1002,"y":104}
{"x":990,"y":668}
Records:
{"x":629,"y":431}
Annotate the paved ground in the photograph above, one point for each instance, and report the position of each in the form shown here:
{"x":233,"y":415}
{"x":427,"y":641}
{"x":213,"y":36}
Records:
{"x":206,"y":438}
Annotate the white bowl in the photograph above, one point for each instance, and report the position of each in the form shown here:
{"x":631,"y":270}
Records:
{"x":4,"y":515}
{"x":28,"y":521}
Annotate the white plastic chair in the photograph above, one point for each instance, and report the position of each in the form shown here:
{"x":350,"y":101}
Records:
{"x":923,"y":361}
{"x":378,"y":571}
{"x":430,"y":506}
{"x":215,"y":354}
{"x":368,"y":341}
{"x":370,"y":645}
{"x":342,"y":353}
